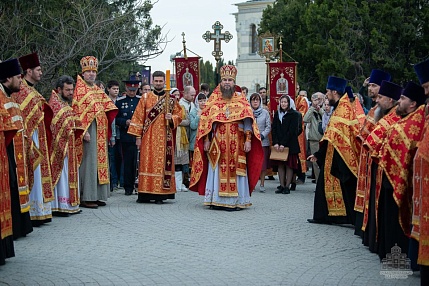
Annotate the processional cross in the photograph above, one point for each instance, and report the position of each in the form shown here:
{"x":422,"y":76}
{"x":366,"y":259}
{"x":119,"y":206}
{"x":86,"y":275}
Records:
{"x":217,"y":37}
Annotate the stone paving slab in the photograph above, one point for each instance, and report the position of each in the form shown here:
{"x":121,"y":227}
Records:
{"x":182,"y":242}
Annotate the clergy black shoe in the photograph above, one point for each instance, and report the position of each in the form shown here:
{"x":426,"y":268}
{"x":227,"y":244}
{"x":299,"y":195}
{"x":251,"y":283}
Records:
{"x":60,"y":214}
{"x":90,"y":205}
{"x":232,"y":209}
{"x":140,"y":201}
{"x":128,"y":193}
{"x":285,"y":190}
{"x":159,"y":202}
{"x":100,"y":203}
{"x":310,"y":220}
{"x":313,"y":181}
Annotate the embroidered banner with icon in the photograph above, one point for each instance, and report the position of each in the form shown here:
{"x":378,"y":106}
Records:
{"x":187,"y":73}
{"x":282,"y":80}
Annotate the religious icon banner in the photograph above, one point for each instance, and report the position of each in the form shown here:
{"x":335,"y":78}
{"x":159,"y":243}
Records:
{"x":282,"y":80}
{"x":187,"y":73}
{"x":145,"y":75}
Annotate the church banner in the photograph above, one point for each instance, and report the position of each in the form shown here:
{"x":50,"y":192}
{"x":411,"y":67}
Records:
{"x":282,"y":80}
{"x":145,"y":75}
{"x":187,"y":73}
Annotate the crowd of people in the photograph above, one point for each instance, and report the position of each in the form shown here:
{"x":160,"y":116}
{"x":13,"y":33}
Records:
{"x":367,"y":154}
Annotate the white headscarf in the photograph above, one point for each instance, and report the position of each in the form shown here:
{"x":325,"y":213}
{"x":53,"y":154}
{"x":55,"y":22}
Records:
{"x":291,"y":105}
{"x":197,"y":104}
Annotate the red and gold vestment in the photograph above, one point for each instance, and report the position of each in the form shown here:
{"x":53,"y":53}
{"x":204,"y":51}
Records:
{"x":222,"y":118}
{"x":37,"y":115}
{"x":92,"y":103}
{"x":372,"y":146}
{"x":302,"y":107}
{"x":156,"y":165}
{"x":7,"y":131}
{"x":66,"y":131}
{"x":340,"y":133}
{"x":420,"y":217}
{"x":396,"y":159}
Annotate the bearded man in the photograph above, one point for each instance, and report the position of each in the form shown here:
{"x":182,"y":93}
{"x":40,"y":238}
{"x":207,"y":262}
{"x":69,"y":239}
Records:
{"x":228,"y":152}
{"x":66,"y":129}
{"x":37,"y":116}
{"x":156,"y":116}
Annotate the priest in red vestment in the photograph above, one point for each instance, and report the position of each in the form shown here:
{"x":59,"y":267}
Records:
{"x":228,"y":153}
{"x":37,"y":116}
{"x":16,"y":151}
{"x":10,"y":73}
{"x":396,"y":162}
{"x":338,"y":160}
{"x":66,"y":130}
{"x":96,"y":111}
{"x":385,"y":116}
{"x":420,"y":218}
{"x":374,"y":84}
{"x":156,"y":116}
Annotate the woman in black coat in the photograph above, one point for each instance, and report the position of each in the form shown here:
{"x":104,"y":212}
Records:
{"x":285,"y":130}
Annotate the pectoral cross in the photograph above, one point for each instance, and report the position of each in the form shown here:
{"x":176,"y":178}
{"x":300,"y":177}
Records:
{"x":227,"y":112}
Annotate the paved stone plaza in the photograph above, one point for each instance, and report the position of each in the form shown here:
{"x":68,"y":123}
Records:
{"x":183,"y":242}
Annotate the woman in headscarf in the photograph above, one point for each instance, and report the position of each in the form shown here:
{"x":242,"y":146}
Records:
{"x":262,"y":117}
{"x":194,"y":117}
{"x":181,"y":150}
{"x":285,"y":131}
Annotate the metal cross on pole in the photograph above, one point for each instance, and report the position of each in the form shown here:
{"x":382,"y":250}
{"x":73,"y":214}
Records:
{"x":217,"y":37}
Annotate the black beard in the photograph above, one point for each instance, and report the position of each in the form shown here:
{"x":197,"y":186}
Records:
{"x":401,"y":112}
{"x":227,"y":93}
{"x":69,"y":101}
{"x":332,"y":102}
{"x":15,"y":88}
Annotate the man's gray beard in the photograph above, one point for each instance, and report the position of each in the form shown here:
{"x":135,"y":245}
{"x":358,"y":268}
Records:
{"x":378,"y":113}
{"x":227,"y":93}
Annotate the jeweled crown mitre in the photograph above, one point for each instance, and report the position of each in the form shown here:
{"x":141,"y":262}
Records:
{"x":89,"y":63}
{"x":228,"y":71}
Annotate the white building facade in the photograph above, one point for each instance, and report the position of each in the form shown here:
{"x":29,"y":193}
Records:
{"x":251,"y":66}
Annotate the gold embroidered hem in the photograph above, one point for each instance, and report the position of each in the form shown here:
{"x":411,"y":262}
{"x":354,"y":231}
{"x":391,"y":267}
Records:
{"x":42,"y":217}
{"x":333,"y":192}
{"x":243,"y":206}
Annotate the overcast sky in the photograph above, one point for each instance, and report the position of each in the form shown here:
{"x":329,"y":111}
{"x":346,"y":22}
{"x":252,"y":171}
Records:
{"x":194,"y":18}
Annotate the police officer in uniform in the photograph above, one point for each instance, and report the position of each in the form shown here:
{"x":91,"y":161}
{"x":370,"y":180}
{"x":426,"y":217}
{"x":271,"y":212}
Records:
{"x":126,"y":105}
